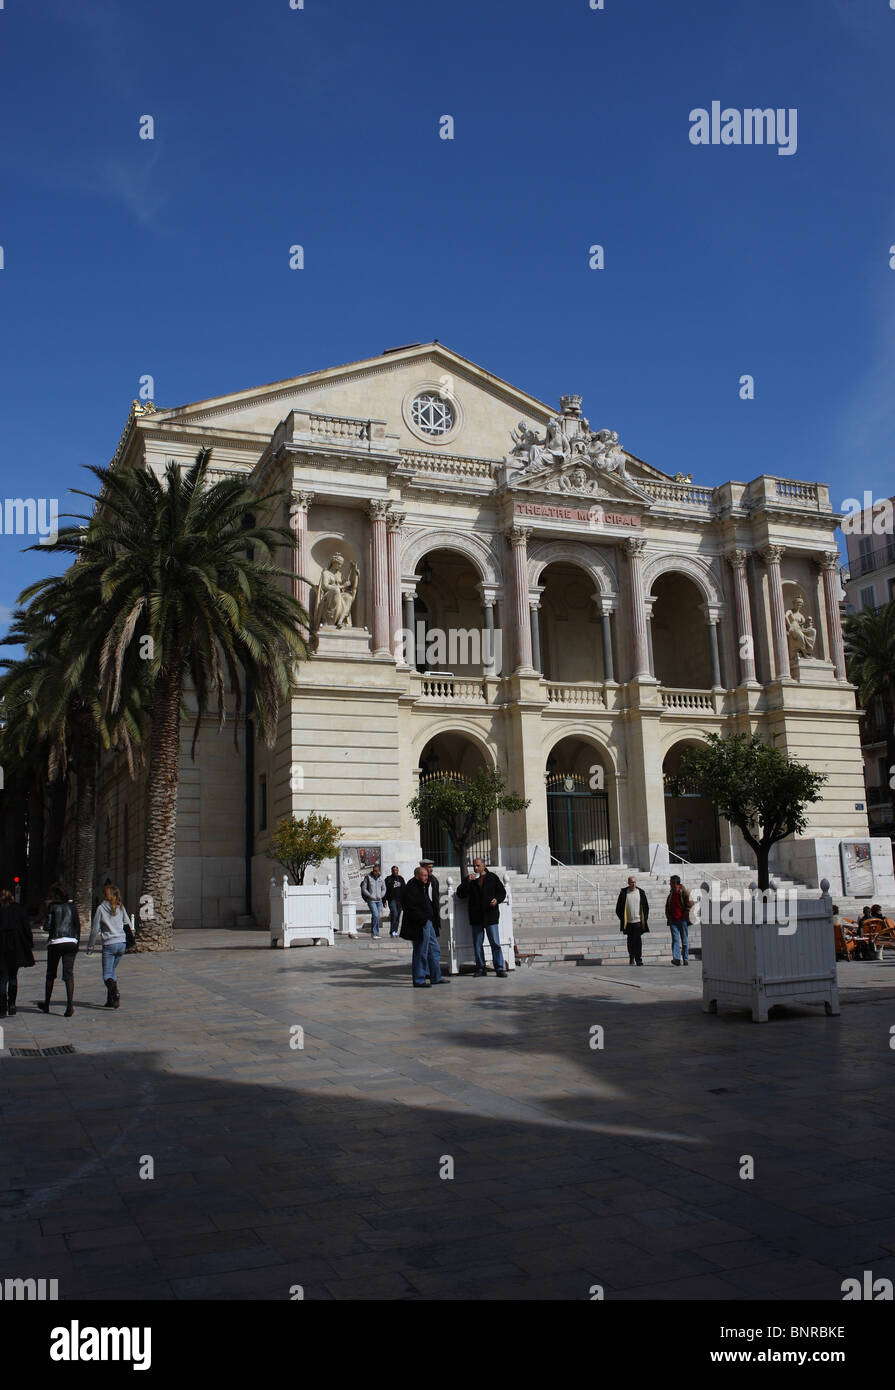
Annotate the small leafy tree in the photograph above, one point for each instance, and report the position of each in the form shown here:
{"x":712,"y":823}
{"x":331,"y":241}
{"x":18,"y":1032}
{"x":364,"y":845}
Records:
{"x":302,"y":844}
{"x":754,"y":785}
{"x":464,"y":807}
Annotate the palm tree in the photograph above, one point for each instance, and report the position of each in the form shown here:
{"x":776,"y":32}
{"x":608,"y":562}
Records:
{"x":55,"y":717}
{"x":189,"y":587}
{"x":870,"y":657}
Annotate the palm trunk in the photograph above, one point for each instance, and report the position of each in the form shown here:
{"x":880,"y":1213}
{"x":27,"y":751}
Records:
{"x":57,"y":804}
{"x":85,"y":823}
{"x":36,"y":843}
{"x":156,"y":926}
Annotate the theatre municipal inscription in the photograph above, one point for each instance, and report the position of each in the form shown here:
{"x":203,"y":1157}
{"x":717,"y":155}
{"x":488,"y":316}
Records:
{"x":596,"y":516}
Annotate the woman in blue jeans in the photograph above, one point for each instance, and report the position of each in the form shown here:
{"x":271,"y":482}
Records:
{"x":109,"y":923}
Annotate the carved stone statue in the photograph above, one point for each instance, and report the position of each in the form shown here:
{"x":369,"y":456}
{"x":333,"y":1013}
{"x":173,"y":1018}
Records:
{"x":568,"y":439}
{"x":335,"y":594}
{"x":801,"y":633}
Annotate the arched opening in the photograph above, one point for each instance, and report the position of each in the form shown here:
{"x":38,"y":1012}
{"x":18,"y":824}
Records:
{"x":681,"y":647}
{"x":455,"y":757}
{"x":578,"y":820}
{"x":570,"y":625}
{"x":449,"y":628}
{"x":691,"y":821}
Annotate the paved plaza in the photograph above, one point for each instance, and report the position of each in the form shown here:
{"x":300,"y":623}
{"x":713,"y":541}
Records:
{"x":278,"y":1165}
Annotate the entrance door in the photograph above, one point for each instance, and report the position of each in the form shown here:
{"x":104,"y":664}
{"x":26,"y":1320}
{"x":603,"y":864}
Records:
{"x":577,"y":820}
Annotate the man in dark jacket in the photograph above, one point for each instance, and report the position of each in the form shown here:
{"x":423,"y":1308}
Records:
{"x":421,"y":924}
{"x":632,"y":911}
{"x":394,"y":886}
{"x":484,"y":893}
{"x":63,"y":928}
{"x":16,"y":942}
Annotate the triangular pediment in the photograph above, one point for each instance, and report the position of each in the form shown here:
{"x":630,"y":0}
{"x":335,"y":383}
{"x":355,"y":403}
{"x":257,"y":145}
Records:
{"x":485,"y":407}
{"x":581,"y":481}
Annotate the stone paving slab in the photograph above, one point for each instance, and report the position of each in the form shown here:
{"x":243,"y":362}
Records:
{"x":321,"y":1165}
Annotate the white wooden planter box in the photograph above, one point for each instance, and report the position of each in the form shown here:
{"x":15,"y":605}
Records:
{"x":756,"y":966}
{"x":460,"y":949}
{"x":302,"y":912}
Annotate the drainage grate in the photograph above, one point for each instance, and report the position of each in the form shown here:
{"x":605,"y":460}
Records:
{"x":41,"y":1051}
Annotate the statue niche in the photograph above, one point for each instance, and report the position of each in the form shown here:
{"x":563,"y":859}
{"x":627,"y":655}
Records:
{"x":336,"y":593}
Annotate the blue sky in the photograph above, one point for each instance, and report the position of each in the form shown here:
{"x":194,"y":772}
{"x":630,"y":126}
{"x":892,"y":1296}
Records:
{"x":320,"y":126}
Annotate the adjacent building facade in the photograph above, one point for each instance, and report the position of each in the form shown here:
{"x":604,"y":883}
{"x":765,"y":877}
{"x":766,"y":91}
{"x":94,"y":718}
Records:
{"x":871,"y":584}
{"x":494,"y":583}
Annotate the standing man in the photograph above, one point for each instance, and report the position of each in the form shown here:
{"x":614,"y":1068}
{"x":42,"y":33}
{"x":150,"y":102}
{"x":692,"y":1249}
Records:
{"x":394,"y":884}
{"x":632,"y":911}
{"x":429,"y":865}
{"x":421,"y":924}
{"x":484,"y":893}
{"x":678,"y":906}
{"x":372,"y":890}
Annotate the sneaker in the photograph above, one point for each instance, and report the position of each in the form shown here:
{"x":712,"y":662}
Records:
{"x":638,"y":962}
{"x":479,"y":974}
{"x":501,"y":974}
{"x":675,"y":962}
{"x":421,"y":984}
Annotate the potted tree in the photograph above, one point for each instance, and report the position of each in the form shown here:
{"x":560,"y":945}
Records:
{"x":463,"y":808}
{"x":760,"y":946}
{"x":300,"y":911}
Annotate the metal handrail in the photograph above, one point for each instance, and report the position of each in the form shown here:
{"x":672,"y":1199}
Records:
{"x":581,"y":879}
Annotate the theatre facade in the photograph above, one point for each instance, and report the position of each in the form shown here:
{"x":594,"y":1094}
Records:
{"x":494,"y":582}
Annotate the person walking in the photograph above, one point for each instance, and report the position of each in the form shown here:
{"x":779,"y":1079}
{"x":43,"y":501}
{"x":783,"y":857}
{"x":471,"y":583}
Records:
{"x":421,"y":924}
{"x":63,"y":928}
{"x":16,"y":942}
{"x":429,"y":866}
{"x":632,"y":911}
{"x":372,"y":890}
{"x":484,"y":893}
{"x":111,"y":924}
{"x":394,"y":885}
{"x":678,"y":906}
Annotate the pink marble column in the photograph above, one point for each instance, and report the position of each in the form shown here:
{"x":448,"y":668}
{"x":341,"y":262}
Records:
{"x":379,"y":561}
{"x":634,"y":549}
{"x":518,"y":539}
{"x":298,"y":520}
{"x":738,"y":559}
{"x":771,"y":556}
{"x":394,"y":522}
{"x":829,"y":567}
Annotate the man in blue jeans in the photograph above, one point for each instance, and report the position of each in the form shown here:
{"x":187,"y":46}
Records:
{"x":678,"y":906}
{"x":421,"y":924}
{"x":372,"y":890}
{"x":484,"y":892}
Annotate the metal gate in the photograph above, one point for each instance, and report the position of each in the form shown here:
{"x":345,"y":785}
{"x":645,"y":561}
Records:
{"x":577,"y":820}
{"x":436,"y":842}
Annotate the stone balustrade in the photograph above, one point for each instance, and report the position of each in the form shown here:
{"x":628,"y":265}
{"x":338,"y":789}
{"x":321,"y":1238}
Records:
{"x":687,"y":699}
{"x":451,"y":689}
{"x":454,"y":465}
{"x":592,"y":696}
{"x":687,"y":493}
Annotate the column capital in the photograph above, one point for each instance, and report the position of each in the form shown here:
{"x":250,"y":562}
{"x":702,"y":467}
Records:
{"x":772,"y":554}
{"x":713,"y":612}
{"x":300,"y":502}
{"x":378,"y":509}
{"x":534,"y":595}
{"x":829,"y":560}
{"x":489,"y":593}
{"x":395,"y":520}
{"x":606,"y":603}
{"x":635,"y":546}
{"x":518,"y":535}
{"x":737,"y":559}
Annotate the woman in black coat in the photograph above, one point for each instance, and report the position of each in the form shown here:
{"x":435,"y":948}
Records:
{"x":16,"y":944}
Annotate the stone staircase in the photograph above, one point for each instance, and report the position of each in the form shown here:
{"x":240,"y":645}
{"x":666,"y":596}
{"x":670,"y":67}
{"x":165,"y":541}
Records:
{"x":566,"y":915}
